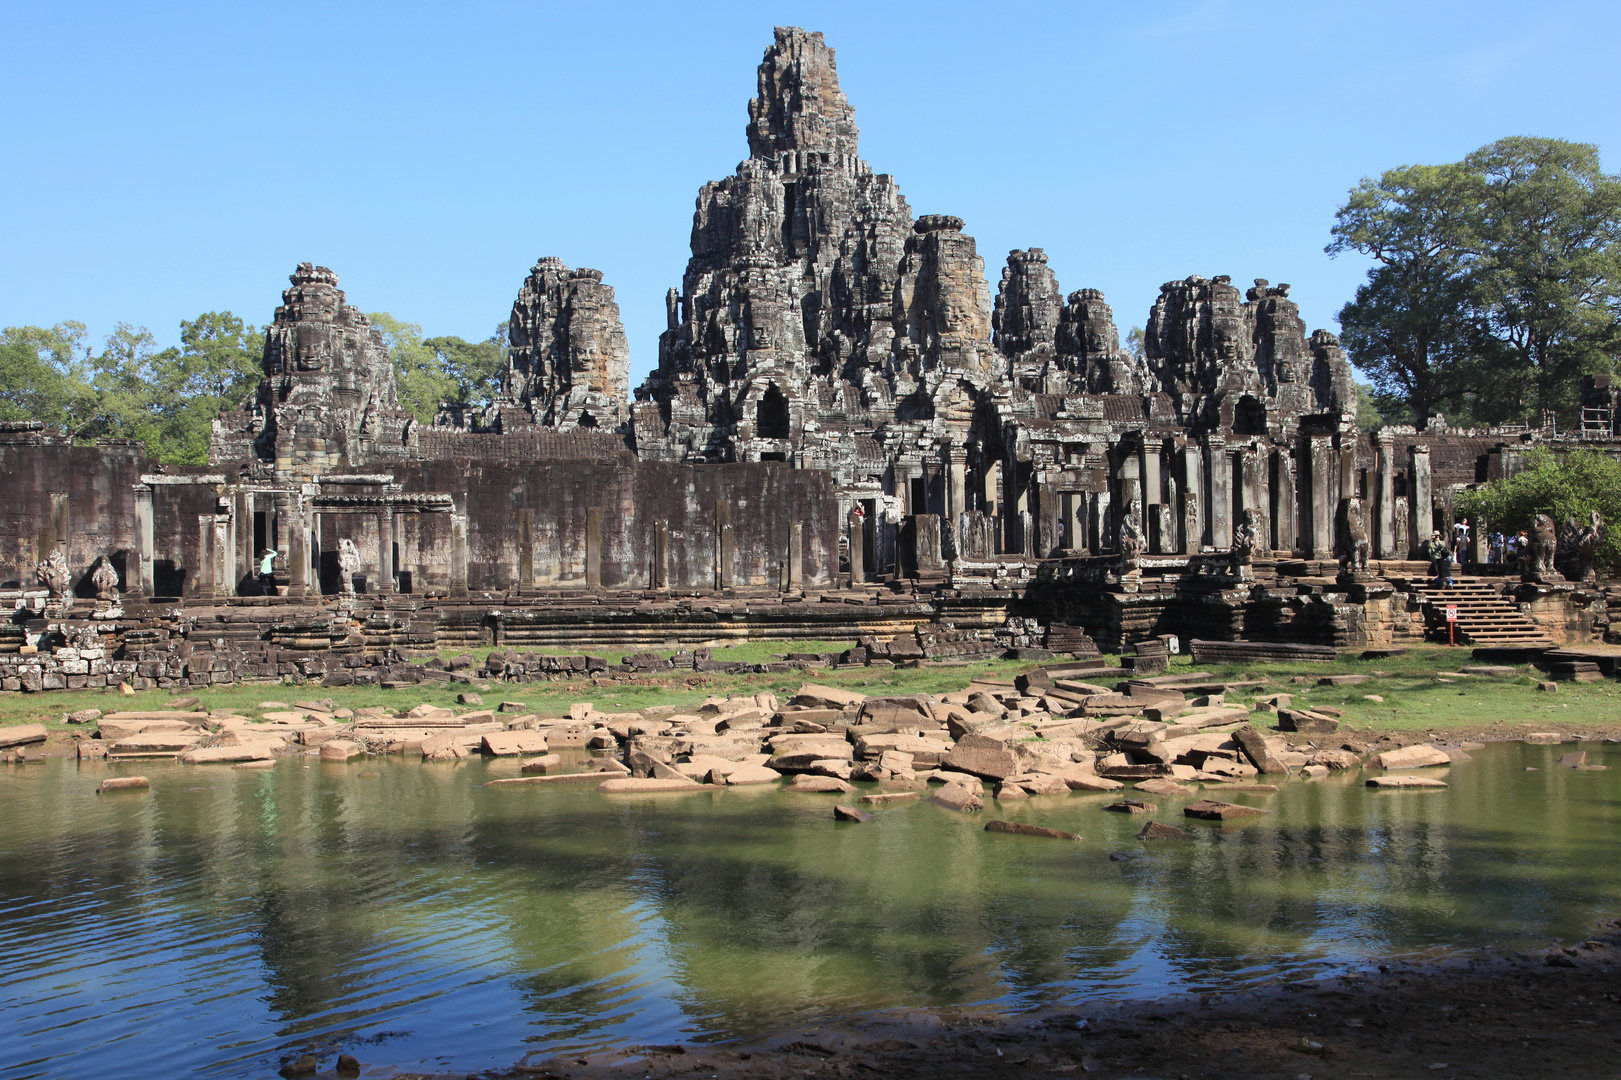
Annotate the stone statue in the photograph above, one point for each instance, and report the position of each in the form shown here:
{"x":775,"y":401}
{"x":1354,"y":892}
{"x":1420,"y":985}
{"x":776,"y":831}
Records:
{"x":1354,"y":545}
{"x":1399,"y":534}
{"x":1578,"y":547}
{"x":1244,"y":540}
{"x":53,"y":573}
{"x":348,"y":566}
{"x":1131,"y":537}
{"x":1544,"y":545}
{"x":105,"y":579}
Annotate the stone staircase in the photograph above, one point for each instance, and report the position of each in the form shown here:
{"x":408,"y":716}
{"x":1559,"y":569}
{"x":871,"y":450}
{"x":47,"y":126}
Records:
{"x":1485,"y":616}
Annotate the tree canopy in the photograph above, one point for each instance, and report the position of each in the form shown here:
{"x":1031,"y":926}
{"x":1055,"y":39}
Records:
{"x":1496,"y":284}
{"x":430,"y":371}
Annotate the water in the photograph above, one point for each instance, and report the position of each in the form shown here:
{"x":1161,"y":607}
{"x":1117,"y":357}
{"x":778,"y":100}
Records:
{"x":229,"y":918}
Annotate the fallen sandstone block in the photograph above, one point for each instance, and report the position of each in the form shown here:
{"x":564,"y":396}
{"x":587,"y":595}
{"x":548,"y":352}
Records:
{"x":1158,"y":830}
{"x":851,"y":813}
{"x":1213,"y":810}
{"x":216,"y":755}
{"x":960,"y":796}
{"x":624,"y":784}
{"x":513,"y":743}
{"x":21,"y":735}
{"x":1404,"y":782}
{"x":1411,"y":757}
{"x":123,"y":783}
{"x":1017,"y":828}
{"x":341,"y":750}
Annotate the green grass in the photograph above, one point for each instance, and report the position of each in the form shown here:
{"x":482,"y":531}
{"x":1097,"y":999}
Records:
{"x":1415,"y":696}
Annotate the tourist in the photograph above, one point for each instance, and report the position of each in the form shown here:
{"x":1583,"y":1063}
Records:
{"x":1440,"y":561}
{"x":267,"y":571}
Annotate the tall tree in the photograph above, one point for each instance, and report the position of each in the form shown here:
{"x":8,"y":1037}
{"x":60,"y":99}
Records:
{"x":43,"y":376}
{"x":1547,"y":245}
{"x":1495,"y":278}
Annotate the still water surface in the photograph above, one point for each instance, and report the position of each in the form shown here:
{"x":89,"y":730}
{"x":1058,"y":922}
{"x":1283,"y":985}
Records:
{"x":228,"y":918}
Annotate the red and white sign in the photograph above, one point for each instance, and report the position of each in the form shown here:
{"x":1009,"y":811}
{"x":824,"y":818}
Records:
{"x":1452,"y":613}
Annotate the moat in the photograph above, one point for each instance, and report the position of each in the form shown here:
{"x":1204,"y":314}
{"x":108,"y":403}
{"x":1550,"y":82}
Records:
{"x":227,"y":920}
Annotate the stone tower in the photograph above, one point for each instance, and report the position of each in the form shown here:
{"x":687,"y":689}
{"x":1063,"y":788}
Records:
{"x":569,"y":365}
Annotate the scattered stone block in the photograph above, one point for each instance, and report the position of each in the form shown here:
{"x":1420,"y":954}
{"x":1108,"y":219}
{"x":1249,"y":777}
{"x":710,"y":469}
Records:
{"x":1158,"y":830}
{"x":217,"y":755}
{"x":545,"y":763}
{"x":1306,"y":721}
{"x":1544,"y":738}
{"x":21,"y":735}
{"x":808,"y":782}
{"x":341,"y":750}
{"x":1133,"y":806}
{"x":1006,"y":791}
{"x":753,"y":774}
{"x":887,"y":797}
{"x":959,"y":796}
{"x":851,"y":813}
{"x":123,"y":783}
{"x":1162,"y":786}
{"x":513,"y":743}
{"x":1404,"y":782}
{"x":622,"y":784}
{"x":1548,"y":687}
{"x":549,"y":781}
{"x":1213,"y":810}
{"x":815,"y":696}
{"x":1343,"y":680}
{"x":1017,"y":828}
{"x":1418,"y":756}
{"x":1574,"y":760}
{"x":511,"y":707}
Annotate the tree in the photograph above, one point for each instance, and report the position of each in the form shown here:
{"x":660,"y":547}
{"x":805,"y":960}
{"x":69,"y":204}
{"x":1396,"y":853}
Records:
{"x":1547,"y":245}
{"x":1571,"y":486}
{"x":441,"y":369}
{"x":41,"y":375}
{"x":1495,"y":281}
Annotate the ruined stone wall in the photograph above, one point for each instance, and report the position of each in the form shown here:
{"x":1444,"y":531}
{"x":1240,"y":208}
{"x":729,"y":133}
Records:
{"x":55,"y":491}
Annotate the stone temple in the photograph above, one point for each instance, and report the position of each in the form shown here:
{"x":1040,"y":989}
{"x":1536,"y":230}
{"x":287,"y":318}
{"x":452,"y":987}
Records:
{"x":848,"y":434}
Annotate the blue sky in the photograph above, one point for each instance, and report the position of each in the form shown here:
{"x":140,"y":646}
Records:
{"x":166,"y":160}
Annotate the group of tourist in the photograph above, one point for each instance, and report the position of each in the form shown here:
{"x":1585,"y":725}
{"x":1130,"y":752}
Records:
{"x":1502,"y":549}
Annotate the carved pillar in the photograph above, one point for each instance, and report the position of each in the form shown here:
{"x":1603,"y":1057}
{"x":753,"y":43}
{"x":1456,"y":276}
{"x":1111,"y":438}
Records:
{"x":856,"y":531}
{"x":1153,"y":490}
{"x":202,"y":581}
{"x":793,"y":574}
{"x":1384,"y":499}
{"x":725,"y":556}
{"x":1192,"y":499}
{"x":1421,"y":506}
{"x":661,"y":555}
{"x":247,"y":558}
{"x":593,"y":547}
{"x":1220,"y":474}
{"x":143,"y":539}
{"x":292,"y":525}
{"x":458,"y":553}
{"x":526,"y":548}
{"x":1286,"y":530}
{"x":224,"y":555}
{"x":958,"y":466}
{"x":1324,"y":496}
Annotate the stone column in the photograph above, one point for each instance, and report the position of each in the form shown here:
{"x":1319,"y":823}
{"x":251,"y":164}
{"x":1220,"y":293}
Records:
{"x":856,"y":530}
{"x":247,"y":557}
{"x":1153,"y":489}
{"x":202,"y":582}
{"x":958,"y":466}
{"x":224,"y":556}
{"x":1075,"y":537}
{"x":1283,"y":500}
{"x":794,"y":570}
{"x":298,"y":556}
{"x":1324,"y":497}
{"x":385,"y":553}
{"x":593,"y":547}
{"x":278,"y":526}
{"x":1220,"y":474}
{"x":143,"y":539}
{"x":661,"y":555}
{"x":1384,"y":499}
{"x":1421,"y":506}
{"x":526,"y":548}
{"x":725,"y":553}
{"x":458,"y":553}
{"x":1192,"y":499}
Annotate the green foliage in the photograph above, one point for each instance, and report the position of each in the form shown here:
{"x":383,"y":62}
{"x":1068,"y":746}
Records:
{"x":42,"y":377}
{"x":1498,"y":279}
{"x":1135,"y":342}
{"x":440,"y":369}
{"x":1569,"y":486}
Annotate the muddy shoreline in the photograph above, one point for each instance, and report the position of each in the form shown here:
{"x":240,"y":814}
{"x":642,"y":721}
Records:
{"x":1541,"y":1013}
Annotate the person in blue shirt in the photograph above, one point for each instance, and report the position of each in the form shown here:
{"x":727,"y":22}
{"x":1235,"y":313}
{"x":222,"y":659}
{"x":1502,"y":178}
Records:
{"x":267,"y":571}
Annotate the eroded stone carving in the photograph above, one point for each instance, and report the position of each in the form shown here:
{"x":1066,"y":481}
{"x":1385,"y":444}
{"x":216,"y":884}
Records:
{"x":348,"y":565}
{"x":105,"y":579}
{"x":569,"y":364}
{"x":54,"y":574}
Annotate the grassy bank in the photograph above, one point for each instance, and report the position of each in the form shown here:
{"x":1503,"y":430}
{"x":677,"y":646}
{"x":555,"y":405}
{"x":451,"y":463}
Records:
{"x":1420,"y":691}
